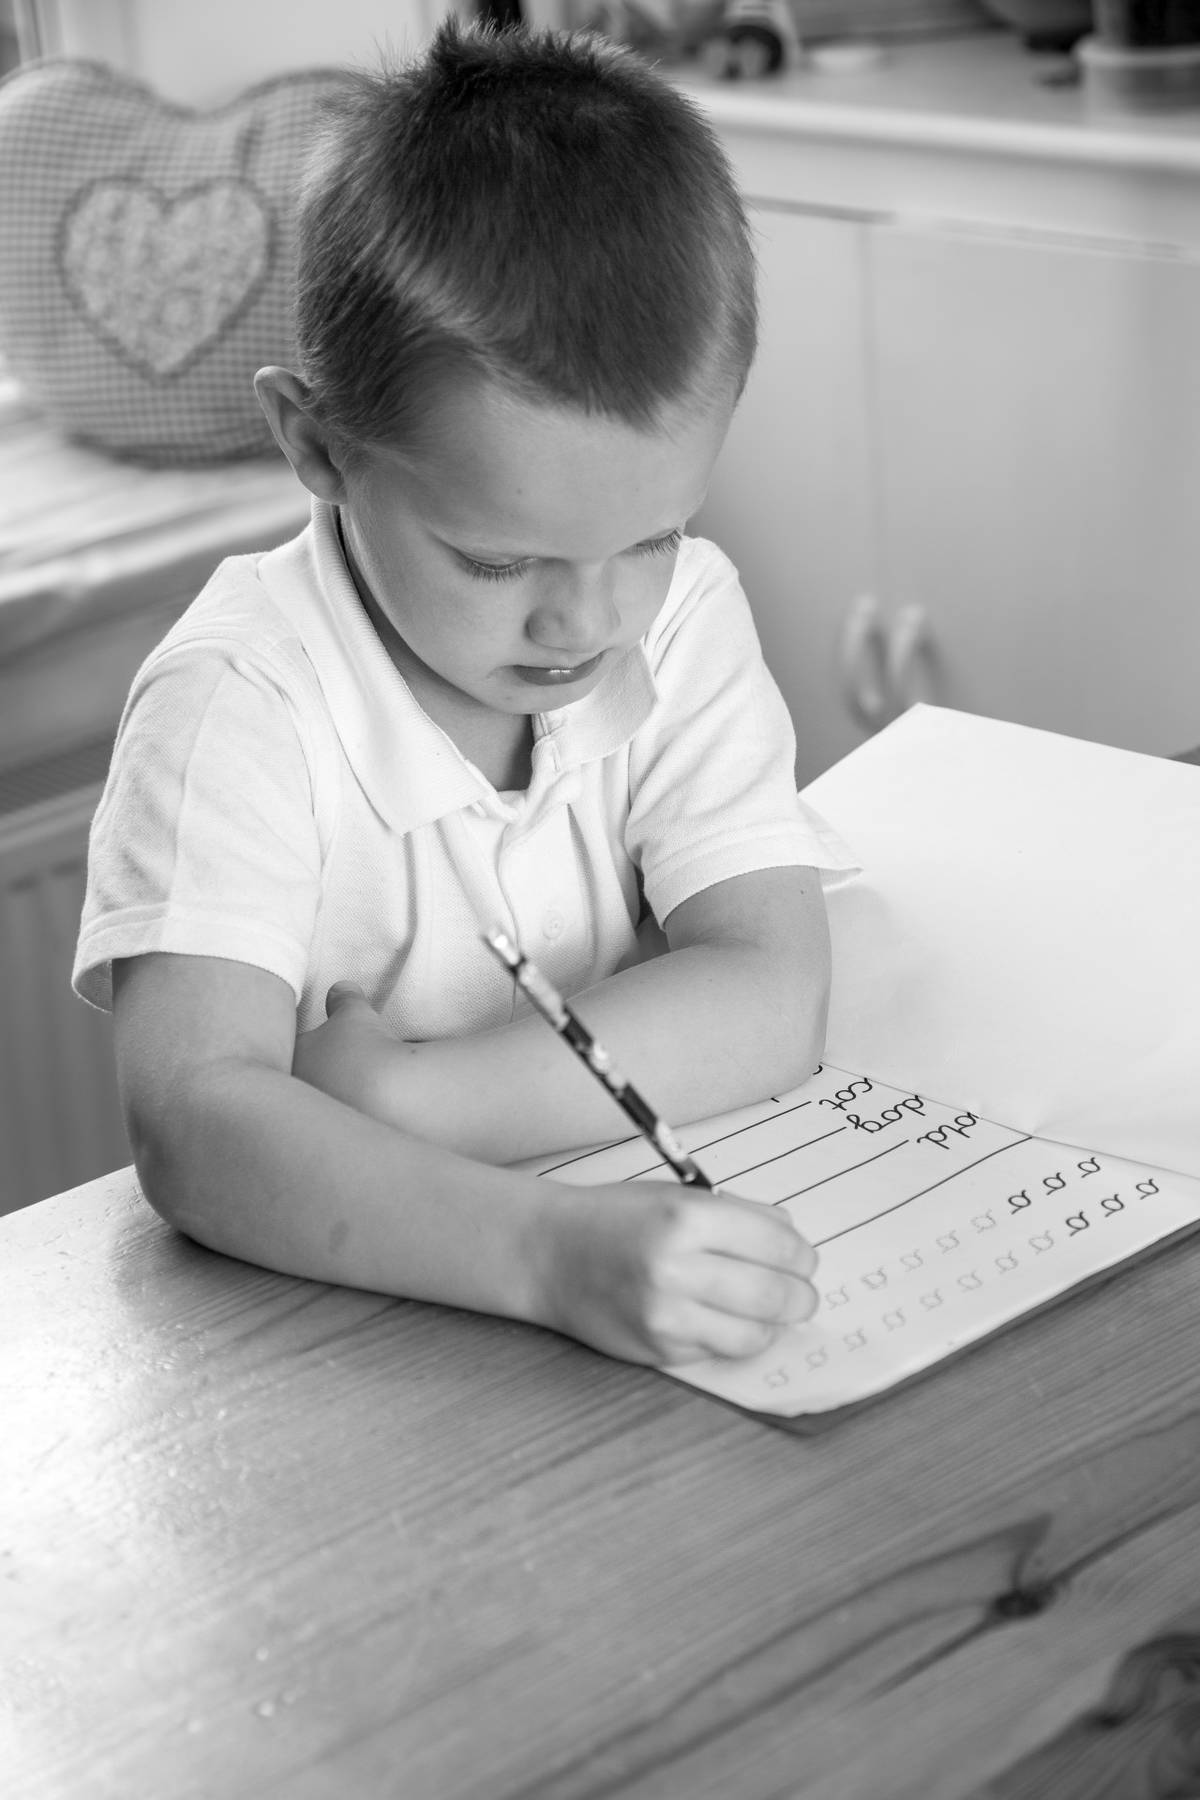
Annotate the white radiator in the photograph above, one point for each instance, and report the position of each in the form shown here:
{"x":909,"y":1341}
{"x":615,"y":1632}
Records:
{"x":60,"y":1121}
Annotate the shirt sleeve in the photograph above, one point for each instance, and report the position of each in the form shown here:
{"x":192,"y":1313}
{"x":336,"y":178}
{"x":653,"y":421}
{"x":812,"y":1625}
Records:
{"x":712,"y":773}
{"x":205,"y":841}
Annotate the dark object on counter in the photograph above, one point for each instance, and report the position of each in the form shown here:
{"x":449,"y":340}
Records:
{"x":1044,"y":24}
{"x":1148,"y":24}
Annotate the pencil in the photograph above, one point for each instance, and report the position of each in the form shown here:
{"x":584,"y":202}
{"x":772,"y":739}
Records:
{"x":550,"y":1003}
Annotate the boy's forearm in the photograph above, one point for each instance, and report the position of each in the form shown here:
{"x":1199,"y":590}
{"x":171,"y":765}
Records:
{"x":699,"y":1031}
{"x":262,"y":1167}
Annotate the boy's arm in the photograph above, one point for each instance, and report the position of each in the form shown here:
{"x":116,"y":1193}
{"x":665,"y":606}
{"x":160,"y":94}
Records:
{"x":736,"y":1010}
{"x":235,"y":1151}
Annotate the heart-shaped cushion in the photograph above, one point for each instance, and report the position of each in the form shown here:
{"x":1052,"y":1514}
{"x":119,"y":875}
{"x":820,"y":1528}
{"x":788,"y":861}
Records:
{"x":147,"y":254}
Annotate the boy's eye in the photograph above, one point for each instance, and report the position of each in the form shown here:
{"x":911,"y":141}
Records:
{"x":481,"y":571}
{"x":493,"y":571}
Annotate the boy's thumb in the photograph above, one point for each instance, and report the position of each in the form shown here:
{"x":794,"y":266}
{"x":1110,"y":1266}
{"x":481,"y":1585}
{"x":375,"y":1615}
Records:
{"x":343,"y":993}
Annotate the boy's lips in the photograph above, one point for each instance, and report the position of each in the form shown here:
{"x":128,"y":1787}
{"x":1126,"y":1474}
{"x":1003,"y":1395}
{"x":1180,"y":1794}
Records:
{"x":558,"y":674}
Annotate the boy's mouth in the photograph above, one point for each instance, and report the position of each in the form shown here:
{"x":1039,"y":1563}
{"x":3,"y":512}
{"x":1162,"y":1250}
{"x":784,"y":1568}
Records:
{"x":558,"y":674}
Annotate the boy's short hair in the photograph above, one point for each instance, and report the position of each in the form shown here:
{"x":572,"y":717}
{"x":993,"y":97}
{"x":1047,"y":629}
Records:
{"x":534,"y":207}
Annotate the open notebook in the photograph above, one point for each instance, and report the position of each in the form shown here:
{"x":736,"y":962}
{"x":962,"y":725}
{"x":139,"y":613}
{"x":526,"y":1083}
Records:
{"x":1023,"y":941}
{"x":934,"y":1227}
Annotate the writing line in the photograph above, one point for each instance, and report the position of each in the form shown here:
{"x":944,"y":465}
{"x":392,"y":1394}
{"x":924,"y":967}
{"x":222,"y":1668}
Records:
{"x":750,"y":1168}
{"x":900,"y":1204}
{"x":725,"y":1138}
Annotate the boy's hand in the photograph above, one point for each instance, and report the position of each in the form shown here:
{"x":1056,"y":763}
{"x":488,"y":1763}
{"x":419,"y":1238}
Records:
{"x":658,"y":1273}
{"x":347,"y":1055}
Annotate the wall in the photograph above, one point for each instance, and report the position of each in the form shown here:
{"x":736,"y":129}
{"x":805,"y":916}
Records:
{"x":199,"y":52}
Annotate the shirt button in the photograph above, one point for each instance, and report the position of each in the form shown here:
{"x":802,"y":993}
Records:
{"x":553,"y":926}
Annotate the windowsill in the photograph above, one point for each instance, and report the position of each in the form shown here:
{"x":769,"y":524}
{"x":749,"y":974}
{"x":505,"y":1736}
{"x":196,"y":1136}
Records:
{"x":85,"y":537}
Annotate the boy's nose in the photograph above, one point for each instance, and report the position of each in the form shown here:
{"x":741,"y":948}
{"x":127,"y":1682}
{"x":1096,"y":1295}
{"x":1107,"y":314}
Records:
{"x":577,"y":612}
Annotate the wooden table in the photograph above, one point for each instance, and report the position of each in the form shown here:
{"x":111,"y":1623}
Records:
{"x":261,"y":1537}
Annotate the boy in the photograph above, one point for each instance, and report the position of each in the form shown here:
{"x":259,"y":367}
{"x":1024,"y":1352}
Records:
{"x":490,"y":683}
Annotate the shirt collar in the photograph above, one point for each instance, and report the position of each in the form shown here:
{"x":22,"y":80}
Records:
{"x":410,"y":770}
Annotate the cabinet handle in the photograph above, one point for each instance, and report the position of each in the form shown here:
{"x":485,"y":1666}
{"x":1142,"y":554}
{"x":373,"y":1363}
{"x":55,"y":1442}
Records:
{"x":863,"y":655}
{"x":911,"y":659}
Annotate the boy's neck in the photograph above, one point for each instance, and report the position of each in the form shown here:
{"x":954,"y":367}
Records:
{"x":503,"y":752}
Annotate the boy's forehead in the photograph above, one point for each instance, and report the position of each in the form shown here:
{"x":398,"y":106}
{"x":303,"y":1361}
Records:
{"x":485,"y":452}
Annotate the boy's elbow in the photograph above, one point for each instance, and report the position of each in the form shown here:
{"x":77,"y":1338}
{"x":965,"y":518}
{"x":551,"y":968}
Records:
{"x":805,"y":1046}
{"x":805,"y":1020}
{"x":181,"y":1152}
{"x":162,"y":1171}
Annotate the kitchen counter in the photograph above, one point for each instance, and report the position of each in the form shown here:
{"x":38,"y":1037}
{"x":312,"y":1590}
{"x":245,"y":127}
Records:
{"x":958,"y":127}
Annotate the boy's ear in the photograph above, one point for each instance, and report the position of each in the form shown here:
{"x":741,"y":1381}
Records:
{"x":288,"y":406}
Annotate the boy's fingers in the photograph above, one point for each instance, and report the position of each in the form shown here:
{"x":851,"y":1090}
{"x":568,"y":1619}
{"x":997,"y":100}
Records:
{"x":714,"y":1333}
{"x":751,"y":1291}
{"x":806,"y":1257}
{"x":759,"y":1233}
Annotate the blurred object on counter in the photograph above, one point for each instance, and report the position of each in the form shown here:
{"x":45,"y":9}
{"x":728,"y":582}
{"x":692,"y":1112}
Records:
{"x":1147,"y":24}
{"x":886,"y":19}
{"x":674,"y":29}
{"x":1124,"y":78}
{"x":752,"y":38}
{"x":1045,"y":24}
{"x":755,"y":38}
{"x":667,"y":30}
{"x":1145,"y":55}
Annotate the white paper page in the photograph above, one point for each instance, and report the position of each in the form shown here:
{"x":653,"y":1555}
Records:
{"x":1026,"y":929}
{"x":933,"y":1227}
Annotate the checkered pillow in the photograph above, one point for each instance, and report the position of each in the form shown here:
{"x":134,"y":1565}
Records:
{"x":146,"y":254}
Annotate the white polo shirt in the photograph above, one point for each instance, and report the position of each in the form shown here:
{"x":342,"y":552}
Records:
{"x":278,"y":797}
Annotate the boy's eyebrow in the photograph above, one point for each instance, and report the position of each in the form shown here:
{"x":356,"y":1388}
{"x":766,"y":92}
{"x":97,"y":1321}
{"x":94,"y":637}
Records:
{"x":654,"y":537}
{"x":499,"y":556}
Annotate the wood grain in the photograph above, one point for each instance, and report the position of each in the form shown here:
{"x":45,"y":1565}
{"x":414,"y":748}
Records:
{"x":263,"y":1537}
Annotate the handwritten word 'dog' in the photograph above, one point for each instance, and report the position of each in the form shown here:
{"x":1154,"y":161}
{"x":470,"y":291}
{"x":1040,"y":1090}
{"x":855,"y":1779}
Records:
{"x":890,"y":1115}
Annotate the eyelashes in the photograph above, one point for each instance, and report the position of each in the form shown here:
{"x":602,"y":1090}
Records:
{"x":493,"y":571}
{"x":663,"y":546}
{"x":480,"y":571}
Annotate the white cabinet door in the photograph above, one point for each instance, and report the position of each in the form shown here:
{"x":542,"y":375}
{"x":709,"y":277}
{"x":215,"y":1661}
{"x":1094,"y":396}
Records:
{"x":790,"y":497}
{"x":1039,"y":421}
